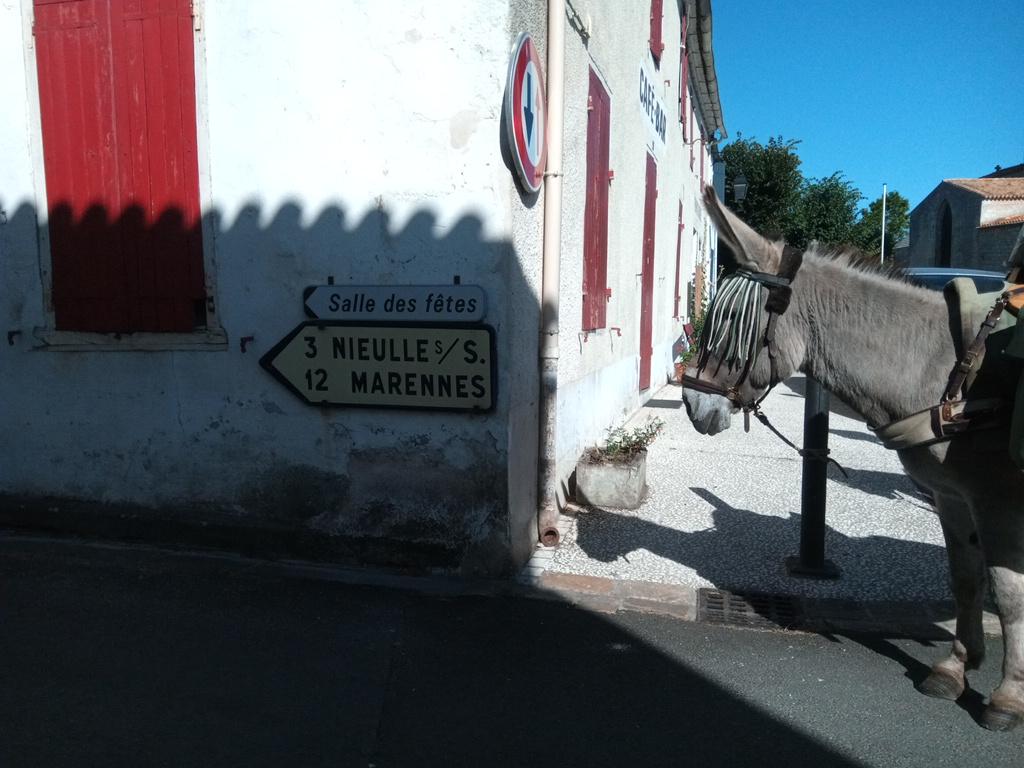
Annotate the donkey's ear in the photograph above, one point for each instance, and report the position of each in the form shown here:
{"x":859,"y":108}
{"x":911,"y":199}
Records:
{"x":752,"y":251}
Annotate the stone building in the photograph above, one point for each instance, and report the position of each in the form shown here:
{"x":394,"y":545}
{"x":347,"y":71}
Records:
{"x":969,"y":222}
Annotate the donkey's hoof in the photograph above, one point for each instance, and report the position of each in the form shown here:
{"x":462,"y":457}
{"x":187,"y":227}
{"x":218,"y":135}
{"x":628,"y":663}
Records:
{"x":942,"y":685}
{"x":1000,"y":719}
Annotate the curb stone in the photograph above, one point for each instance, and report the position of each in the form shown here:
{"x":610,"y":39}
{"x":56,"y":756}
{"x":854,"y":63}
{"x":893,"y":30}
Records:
{"x":925,"y":620}
{"x":603,"y":595}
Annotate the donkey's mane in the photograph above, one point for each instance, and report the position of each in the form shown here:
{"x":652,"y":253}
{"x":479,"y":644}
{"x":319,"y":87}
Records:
{"x":848,"y":257}
{"x":845,"y":309}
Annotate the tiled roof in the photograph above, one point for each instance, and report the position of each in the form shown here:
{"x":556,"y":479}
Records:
{"x":992,"y":189}
{"x":1005,"y":221}
{"x":1013,"y":170}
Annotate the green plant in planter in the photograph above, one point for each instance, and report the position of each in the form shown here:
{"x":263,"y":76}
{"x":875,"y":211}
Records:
{"x":622,"y":445}
{"x":698,"y":326}
{"x":615,"y":474}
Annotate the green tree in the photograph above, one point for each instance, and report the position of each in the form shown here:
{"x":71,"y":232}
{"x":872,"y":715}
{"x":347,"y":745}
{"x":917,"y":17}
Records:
{"x":867,"y":232}
{"x":826,"y":212}
{"x":773,"y":178}
{"x":780,"y":202}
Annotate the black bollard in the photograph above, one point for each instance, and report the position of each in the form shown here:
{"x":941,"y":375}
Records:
{"x":811,"y":562}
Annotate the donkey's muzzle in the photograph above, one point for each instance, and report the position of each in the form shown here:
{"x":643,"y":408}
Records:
{"x":709,"y":414}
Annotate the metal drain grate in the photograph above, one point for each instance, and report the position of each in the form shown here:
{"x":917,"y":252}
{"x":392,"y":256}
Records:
{"x":748,"y":609}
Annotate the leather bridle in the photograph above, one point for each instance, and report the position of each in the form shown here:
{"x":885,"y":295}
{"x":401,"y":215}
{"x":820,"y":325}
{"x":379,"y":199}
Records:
{"x":779,"y":294}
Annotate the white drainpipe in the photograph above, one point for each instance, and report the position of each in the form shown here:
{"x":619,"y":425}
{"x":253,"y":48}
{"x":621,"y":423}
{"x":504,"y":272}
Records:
{"x":547,"y":515}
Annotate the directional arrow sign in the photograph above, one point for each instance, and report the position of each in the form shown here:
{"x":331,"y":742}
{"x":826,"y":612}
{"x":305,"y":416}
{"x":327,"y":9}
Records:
{"x":402,"y":304}
{"x":528,"y":108}
{"x":524,"y":113}
{"x":387,"y":366}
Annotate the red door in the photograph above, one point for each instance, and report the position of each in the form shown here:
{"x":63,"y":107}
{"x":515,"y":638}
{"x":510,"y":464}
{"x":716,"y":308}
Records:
{"x":647,"y":274}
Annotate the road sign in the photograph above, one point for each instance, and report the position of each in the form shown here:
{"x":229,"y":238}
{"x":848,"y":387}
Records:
{"x":387,"y":366}
{"x":403,"y":304}
{"x":525,"y":116}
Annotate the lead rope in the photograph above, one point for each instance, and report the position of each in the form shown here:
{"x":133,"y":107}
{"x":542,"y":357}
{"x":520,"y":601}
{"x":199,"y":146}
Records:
{"x":813,"y":453}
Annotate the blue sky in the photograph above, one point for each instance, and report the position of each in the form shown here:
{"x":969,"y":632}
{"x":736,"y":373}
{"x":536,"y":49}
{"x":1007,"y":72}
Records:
{"x":904,"y":92}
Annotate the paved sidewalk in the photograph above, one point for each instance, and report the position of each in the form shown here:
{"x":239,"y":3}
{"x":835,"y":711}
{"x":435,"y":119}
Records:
{"x":723,"y":513}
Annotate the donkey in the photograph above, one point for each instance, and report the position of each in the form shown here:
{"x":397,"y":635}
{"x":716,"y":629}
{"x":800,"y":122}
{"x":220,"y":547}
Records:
{"x":884,"y":347}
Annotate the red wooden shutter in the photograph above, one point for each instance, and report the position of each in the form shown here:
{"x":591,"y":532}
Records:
{"x":679,"y":262}
{"x":692,"y":142}
{"x":80,"y":160}
{"x":698,"y":291}
{"x":117,"y":106}
{"x":595,"y":216}
{"x":657,"y":45}
{"x":647,"y":274}
{"x":684,"y":76}
{"x":702,"y":161}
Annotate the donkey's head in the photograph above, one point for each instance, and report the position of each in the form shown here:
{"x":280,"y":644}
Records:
{"x":738,"y":359}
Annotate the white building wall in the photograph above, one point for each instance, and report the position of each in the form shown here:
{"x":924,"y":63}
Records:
{"x":17,"y":177}
{"x":599,"y":370}
{"x":352,"y":140}
{"x":359,"y":141}
{"x":992,"y":210}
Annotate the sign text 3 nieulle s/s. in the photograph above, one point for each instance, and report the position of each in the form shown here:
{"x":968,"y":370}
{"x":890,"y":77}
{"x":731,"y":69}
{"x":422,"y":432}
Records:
{"x":388,"y":366}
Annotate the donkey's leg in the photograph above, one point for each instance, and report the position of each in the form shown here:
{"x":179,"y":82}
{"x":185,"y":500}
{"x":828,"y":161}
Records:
{"x":967,"y":572}
{"x":1002,"y":531}
{"x":1005,"y":709}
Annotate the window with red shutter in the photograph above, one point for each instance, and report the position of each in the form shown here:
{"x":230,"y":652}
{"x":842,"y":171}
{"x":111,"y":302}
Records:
{"x":684,"y":76}
{"x":679,"y":263}
{"x":595,"y":222}
{"x":117,"y":107}
{"x":657,"y":45}
{"x":690,"y":121}
{"x":702,"y":160}
{"x":647,"y":272}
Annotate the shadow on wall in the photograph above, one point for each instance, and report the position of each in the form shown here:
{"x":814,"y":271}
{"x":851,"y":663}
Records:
{"x":243,"y":450}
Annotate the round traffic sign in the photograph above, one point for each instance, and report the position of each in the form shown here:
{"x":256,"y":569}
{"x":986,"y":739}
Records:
{"x":525,"y":113}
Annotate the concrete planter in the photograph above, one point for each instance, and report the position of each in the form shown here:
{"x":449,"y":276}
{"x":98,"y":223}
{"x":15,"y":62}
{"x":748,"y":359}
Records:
{"x":620,"y":485}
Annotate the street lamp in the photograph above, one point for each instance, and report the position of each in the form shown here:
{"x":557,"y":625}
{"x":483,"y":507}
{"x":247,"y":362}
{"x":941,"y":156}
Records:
{"x":885,"y":191}
{"x":739,"y":187}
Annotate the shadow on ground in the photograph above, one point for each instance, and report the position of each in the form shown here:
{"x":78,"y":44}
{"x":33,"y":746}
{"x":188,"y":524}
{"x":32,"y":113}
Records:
{"x":671,"y":405}
{"x":121,"y":658}
{"x":742,"y":545}
{"x":971,"y":701}
{"x":850,"y":434}
{"x":797,"y":386}
{"x":888,"y":485}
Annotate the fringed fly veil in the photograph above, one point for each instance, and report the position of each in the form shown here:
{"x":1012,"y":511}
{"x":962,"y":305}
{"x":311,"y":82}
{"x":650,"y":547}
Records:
{"x":734,"y":324}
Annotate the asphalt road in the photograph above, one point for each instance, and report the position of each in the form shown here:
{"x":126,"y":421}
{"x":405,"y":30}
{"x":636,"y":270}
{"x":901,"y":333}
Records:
{"x":112,"y":656}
